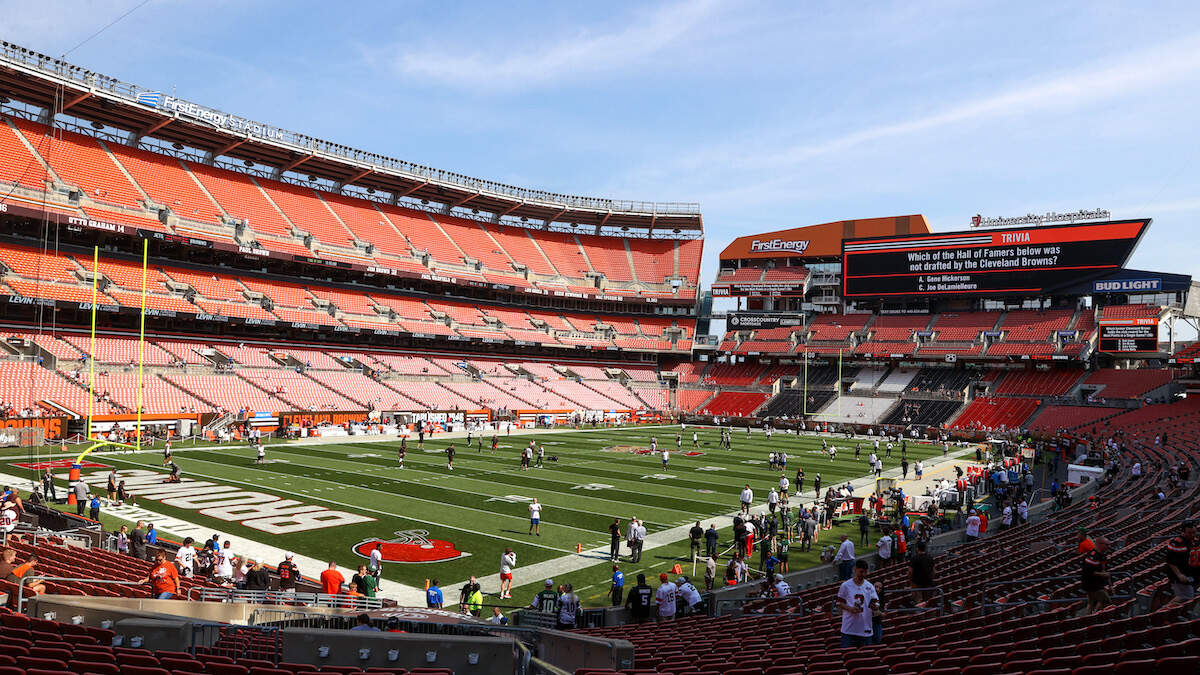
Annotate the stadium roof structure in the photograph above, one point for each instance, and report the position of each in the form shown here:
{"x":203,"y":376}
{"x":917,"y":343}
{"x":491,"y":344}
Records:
{"x":62,"y":88}
{"x":822,"y":241}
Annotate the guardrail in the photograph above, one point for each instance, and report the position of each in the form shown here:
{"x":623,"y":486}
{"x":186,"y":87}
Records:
{"x":20,"y":607}
{"x":351,"y":602}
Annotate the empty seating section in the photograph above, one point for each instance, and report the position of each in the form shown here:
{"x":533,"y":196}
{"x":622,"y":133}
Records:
{"x":303,"y":393}
{"x":656,"y":399}
{"x":897,"y":380}
{"x":166,"y":182}
{"x":564,"y":253}
{"x":963,"y":326}
{"x":1127,"y":383}
{"x":796,"y":402}
{"x":227,"y":392}
{"x":1054,"y":382}
{"x":241,"y":198}
{"x":1034,"y":325}
{"x":17,"y":164}
{"x":32,"y":264}
{"x":742,"y":274}
{"x":836,"y":327}
{"x":433,"y":396}
{"x":370,"y":226}
{"x":1007,"y":348}
{"x":654,"y":260}
{"x":921,"y":412}
{"x":1130,"y":312}
{"x":484,"y":395}
{"x":80,"y":161}
{"x":1191,"y":350}
{"x":620,"y":397}
{"x":995,"y":413}
{"x":209,"y":284}
{"x":940,"y":381}
{"x":27,"y":385}
{"x":1055,"y":417}
{"x":609,"y":256}
{"x":866,"y":378}
{"x":733,"y":374}
{"x":886,"y":348}
{"x":248,"y":355}
{"x":734,"y":403}
{"x":855,"y":409}
{"x":690,"y":400}
{"x":786,"y":274}
{"x":119,"y":350}
{"x":897,"y":327}
{"x":306,"y":211}
{"x":421,"y":233}
{"x":360,"y":389}
{"x":518,"y":242}
{"x":61,"y":349}
{"x":641,"y":374}
{"x":1180,"y":421}
{"x":188,"y":352}
{"x":158,"y":395}
{"x":689,"y":252}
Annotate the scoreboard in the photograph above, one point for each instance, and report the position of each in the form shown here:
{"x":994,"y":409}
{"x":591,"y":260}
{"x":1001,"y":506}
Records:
{"x":1027,"y":261}
{"x":1129,"y":335}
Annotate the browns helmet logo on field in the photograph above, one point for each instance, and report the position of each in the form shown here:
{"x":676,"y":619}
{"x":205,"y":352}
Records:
{"x":410,"y":546}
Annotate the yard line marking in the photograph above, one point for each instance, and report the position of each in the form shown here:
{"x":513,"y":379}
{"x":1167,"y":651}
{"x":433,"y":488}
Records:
{"x":365,"y":509}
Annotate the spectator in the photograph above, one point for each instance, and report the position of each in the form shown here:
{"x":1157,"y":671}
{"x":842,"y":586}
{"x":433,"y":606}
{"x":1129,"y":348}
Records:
{"x":857,"y":600}
{"x":8,"y":561}
{"x":185,"y":557}
{"x":920,"y":572}
{"x":884,"y":546}
{"x":710,"y":572}
{"x":568,"y":608}
{"x":332,"y":580}
{"x":151,"y":534}
{"x":845,"y":558}
{"x":1179,"y":570}
{"x":641,"y":597}
{"x":94,"y":507}
{"x":1085,"y":542}
{"x":363,"y":622}
{"x":864,"y":530}
{"x":973,"y":524}
{"x":288,"y":573}
{"x":1096,"y":577}
{"x":257,"y":578}
{"x":497,"y":617}
{"x":137,"y":541}
{"x":877,"y":617}
{"x":665,"y":595}
{"x":163,"y":578}
{"x":8,"y":520}
{"x":122,"y":536}
{"x":695,"y":535}
{"x":364,"y":582}
{"x":689,"y":593}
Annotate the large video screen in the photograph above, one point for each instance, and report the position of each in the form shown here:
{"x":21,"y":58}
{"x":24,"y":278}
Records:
{"x":1129,"y":335}
{"x":1027,"y":261}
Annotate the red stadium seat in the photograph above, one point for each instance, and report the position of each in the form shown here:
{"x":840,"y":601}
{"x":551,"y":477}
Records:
{"x":1178,"y":665}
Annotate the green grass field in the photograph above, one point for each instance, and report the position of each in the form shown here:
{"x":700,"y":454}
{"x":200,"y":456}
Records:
{"x":481,"y":506}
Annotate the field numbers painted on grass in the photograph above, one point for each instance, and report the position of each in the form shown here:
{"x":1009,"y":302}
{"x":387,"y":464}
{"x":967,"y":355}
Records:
{"x":512,"y":499}
{"x":753,"y":461}
{"x":710,"y":468}
{"x":592,"y":486}
{"x":362,"y":455}
{"x":658,"y":476}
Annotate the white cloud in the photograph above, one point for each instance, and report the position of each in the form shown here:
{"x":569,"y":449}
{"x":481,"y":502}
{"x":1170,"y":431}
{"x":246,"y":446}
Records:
{"x":1136,"y":71}
{"x":530,"y":62}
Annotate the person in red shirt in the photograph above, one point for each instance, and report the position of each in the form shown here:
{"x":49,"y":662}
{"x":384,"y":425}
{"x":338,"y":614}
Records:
{"x":901,"y":543}
{"x":164,"y":578}
{"x":332,"y":580}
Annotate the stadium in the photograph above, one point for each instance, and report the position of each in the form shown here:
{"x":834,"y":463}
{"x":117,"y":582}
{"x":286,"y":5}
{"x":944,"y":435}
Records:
{"x":372,"y":381}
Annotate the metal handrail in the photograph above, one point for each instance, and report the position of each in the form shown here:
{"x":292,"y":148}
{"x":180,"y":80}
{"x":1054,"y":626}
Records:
{"x":21,"y":585}
{"x":268,"y":597}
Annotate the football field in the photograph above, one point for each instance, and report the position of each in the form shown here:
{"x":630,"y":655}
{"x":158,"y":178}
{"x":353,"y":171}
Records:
{"x":451,"y":524}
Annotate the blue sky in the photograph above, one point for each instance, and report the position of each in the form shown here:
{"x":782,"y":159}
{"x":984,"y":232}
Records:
{"x":769,"y":114}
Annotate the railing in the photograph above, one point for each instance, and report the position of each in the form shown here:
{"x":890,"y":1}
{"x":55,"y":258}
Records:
{"x":267,"y":640}
{"x":734,"y":606}
{"x":985,"y":604}
{"x":20,"y":607}
{"x":339,"y":601}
